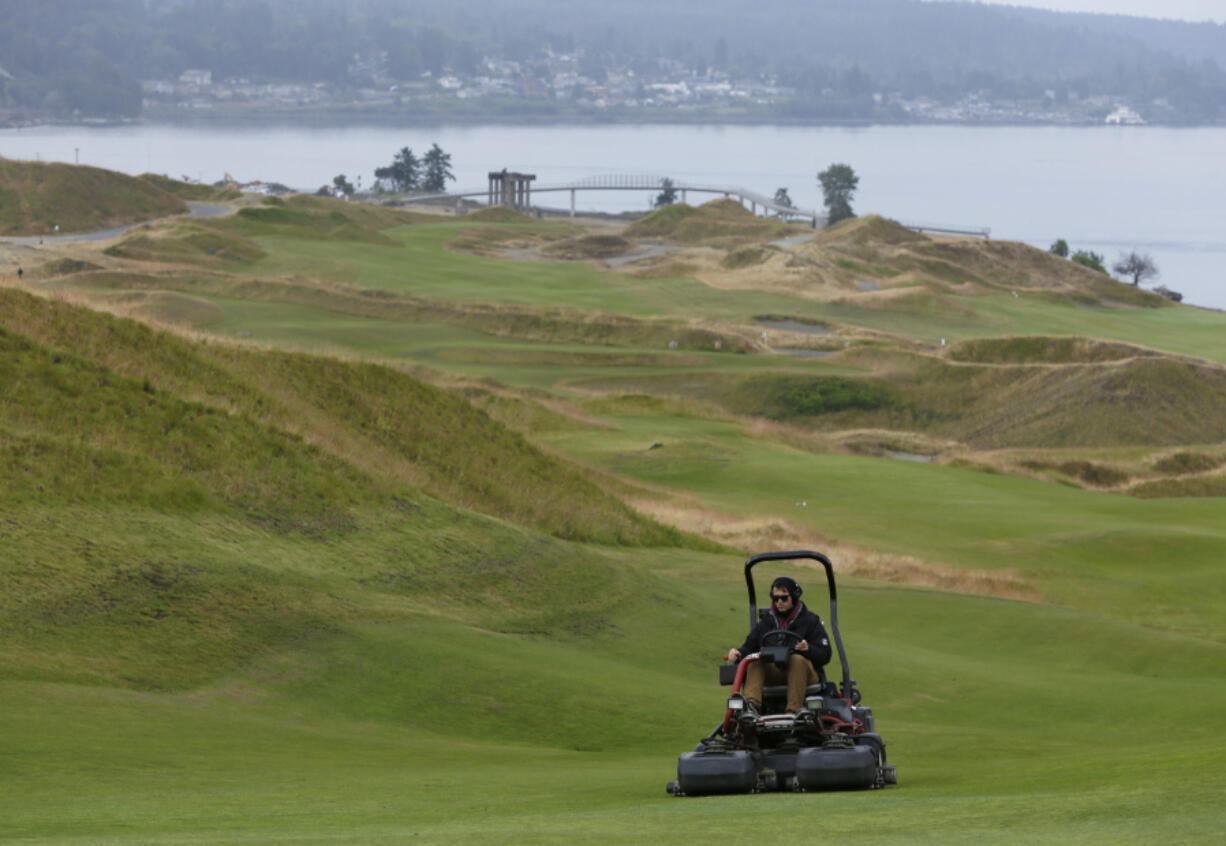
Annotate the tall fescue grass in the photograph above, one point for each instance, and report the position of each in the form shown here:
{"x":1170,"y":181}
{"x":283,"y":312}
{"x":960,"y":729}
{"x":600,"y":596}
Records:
{"x":38,"y":197}
{"x":367,"y":418}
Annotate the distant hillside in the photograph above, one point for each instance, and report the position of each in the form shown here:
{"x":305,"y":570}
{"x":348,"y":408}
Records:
{"x":36,"y":197}
{"x":86,"y":59}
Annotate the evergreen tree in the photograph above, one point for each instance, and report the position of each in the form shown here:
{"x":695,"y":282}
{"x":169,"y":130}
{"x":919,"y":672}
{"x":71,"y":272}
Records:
{"x":784,"y":199}
{"x":404,"y":172}
{"x":342,"y":186}
{"x":667,"y":195}
{"x":838,"y":183}
{"x":438,"y":170}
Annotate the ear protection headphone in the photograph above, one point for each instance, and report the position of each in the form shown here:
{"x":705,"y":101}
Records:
{"x":788,"y":584}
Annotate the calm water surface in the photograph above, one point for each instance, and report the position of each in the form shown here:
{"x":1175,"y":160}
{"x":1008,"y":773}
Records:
{"x":1160,"y":191}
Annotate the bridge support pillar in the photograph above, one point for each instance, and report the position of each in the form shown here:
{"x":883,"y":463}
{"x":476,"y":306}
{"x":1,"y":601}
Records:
{"x":510,"y":189}
{"x":683,"y":197}
{"x":572,"y":202}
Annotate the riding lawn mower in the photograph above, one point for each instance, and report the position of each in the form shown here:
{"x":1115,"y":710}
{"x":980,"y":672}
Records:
{"x":831,"y":744}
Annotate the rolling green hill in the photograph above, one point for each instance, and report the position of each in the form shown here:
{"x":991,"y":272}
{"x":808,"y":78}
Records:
{"x":38,"y":197}
{"x":371,"y":572}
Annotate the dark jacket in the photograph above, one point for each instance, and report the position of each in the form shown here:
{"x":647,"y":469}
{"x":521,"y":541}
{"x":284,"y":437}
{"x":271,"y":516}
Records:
{"x":805,"y":623}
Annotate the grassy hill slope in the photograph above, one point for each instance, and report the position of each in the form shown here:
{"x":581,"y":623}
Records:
{"x":36,"y":197}
{"x":1147,"y":400}
{"x":382,"y":422}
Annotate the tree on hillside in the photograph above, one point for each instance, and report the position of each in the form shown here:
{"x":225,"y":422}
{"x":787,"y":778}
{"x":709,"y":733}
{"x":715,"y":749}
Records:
{"x":438,"y":170}
{"x":404,"y":173}
{"x":1060,"y":248}
{"x":783,"y":199}
{"x":839,"y":184}
{"x":1137,"y":265}
{"x":342,"y":187}
{"x":667,"y":195}
{"x":1090,"y":259}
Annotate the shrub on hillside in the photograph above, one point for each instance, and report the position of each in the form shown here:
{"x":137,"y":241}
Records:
{"x":824,"y":395}
{"x":1189,"y":462}
{"x":1090,"y":259}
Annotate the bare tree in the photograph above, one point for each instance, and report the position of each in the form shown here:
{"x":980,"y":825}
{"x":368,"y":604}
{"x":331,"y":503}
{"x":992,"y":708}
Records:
{"x":1137,"y":265}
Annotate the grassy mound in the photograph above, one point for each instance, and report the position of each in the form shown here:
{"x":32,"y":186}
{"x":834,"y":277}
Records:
{"x":315,"y":218}
{"x":1089,"y":473}
{"x":192,"y":244}
{"x":372,"y":420}
{"x":36,"y":197}
{"x":720,"y":223}
{"x":744,"y":257}
{"x":1144,"y":401}
{"x":63,"y":267}
{"x":190,"y":190}
{"x":870,"y":230}
{"x":498,"y":214}
{"x":1032,"y":349}
{"x":1194,"y":486}
{"x":1189,"y":462}
{"x":495,"y":241}
{"x":162,"y":307}
{"x":588,"y":247}
{"x":882,"y":249}
{"x":1150,"y":400}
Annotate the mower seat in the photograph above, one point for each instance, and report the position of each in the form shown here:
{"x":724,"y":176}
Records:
{"x":775,"y":696}
{"x":779,"y":692}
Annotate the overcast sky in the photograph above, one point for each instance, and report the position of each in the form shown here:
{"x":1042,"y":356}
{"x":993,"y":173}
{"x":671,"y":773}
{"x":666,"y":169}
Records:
{"x":1189,"y":10}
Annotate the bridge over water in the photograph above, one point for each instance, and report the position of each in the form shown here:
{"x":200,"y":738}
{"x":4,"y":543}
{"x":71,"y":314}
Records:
{"x":647,"y":182}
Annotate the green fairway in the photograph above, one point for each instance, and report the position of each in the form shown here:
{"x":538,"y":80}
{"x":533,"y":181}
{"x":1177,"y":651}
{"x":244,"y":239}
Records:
{"x":424,"y":267}
{"x":355,"y":560}
{"x":994,"y":735}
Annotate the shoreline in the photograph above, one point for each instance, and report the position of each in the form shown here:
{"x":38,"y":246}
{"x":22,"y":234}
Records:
{"x":342,"y":116}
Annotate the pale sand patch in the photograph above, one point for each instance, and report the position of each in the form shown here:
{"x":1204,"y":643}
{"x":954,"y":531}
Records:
{"x":766,"y":534}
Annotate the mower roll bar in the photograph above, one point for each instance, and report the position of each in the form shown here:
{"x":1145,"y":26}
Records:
{"x":834,"y":610}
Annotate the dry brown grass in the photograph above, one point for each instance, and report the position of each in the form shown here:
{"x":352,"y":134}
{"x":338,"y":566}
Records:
{"x":588,"y":247}
{"x":766,"y":534}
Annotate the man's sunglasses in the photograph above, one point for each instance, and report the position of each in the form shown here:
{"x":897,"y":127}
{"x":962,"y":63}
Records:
{"x":780,"y":598}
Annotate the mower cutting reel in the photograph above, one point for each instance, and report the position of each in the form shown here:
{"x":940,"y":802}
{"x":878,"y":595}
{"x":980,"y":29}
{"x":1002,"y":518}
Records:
{"x":830,"y":745}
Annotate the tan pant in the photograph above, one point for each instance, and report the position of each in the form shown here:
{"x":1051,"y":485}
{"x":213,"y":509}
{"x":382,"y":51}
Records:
{"x":800,"y":674}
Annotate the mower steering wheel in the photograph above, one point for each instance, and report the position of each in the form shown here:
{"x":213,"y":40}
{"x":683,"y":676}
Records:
{"x":781,"y":634}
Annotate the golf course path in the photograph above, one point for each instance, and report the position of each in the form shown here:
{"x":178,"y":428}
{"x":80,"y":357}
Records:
{"x":198,"y":210}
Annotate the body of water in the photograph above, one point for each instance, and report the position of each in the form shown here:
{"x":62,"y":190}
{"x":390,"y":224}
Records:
{"x":1107,"y":189}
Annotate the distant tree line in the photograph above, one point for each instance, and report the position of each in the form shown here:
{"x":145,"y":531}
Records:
{"x":430,"y":173}
{"x":66,"y":56}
